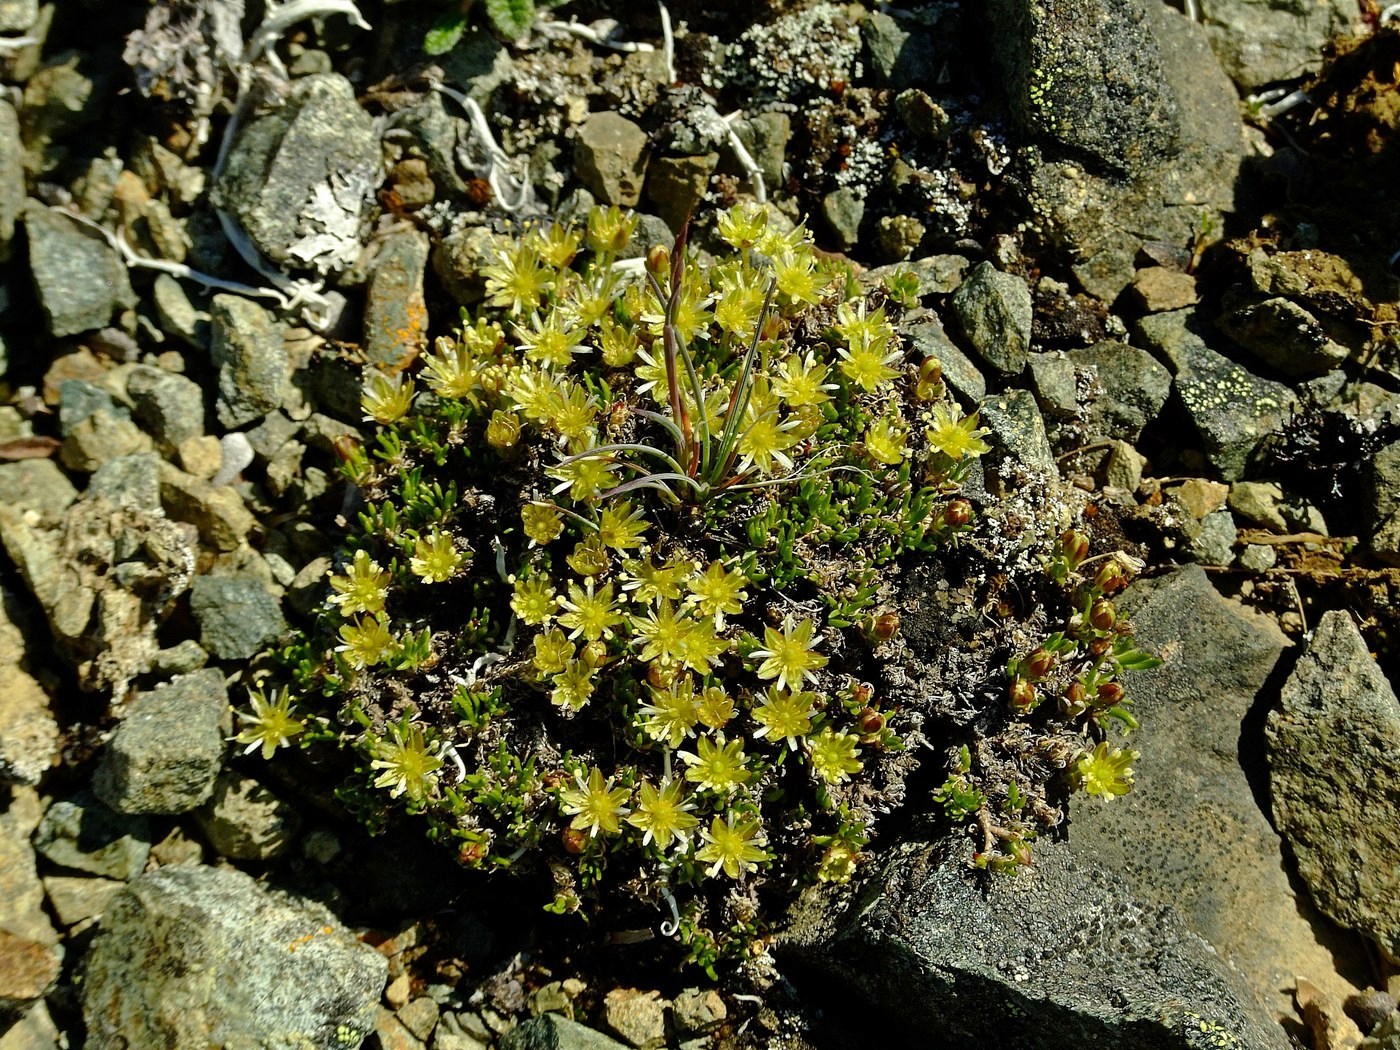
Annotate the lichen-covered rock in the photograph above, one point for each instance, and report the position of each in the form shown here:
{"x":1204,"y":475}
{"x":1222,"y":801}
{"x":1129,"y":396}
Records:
{"x":1334,"y":777}
{"x":1283,"y":335}
{"x":245,"y":821}
{"x":994,"y":311}
{"x":166,"y":752}
{"x":247,"y":348}
{"x":170,"y":406}
{"x":196,"y":956}
{"x":555,"y":1032}
{"x":396,"y":315}
{"x":84,"y":834}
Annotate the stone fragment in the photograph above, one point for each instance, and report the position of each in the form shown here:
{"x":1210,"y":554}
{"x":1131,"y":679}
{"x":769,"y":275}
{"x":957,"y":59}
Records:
{"x":80,"y":279}
{"x":76,"y":899}
{"x":216,"y":511}
{"x":37,"y":485}
{"x":675,"y":185}
{"x":246,"y":346}
{"x":419,"y":1016}
{"x":638,"y":1016}
{"x":698,"y":1010}
{"x":1162,"y":288}
{"x":1263,"y":41}
{"x":245,"y":821}
{"x":237,"y":617}
{"x":898,"y":58}
{"x":1284,"y":336}
{"x":765,"y":136}
{"x":170,"y":406}
{"x":28,"y":969}
{"x":28,"y":730}
{"x":1016,"y":433}
{"x":1257,"y":557}
{"x":1259,"y":502}
{"x":132,"y":482}
{"x":1334,"y":778}
{"x":396,"y":314}
{"x":843,"y":209}
{"x":99,"y":438}
{"x":556,"y":1032}
{"x":192,"y":956}
{"x":177,"y":315}
{"x":928,"y":339}
{"x":610,"y":158}
{"x":1200,"y":496}
{"x":1213,"y":541}
{"x":83,"y":834}
{"x":12,"y":193}
{"x":994,"y":312}
{"x":166,"y":752}
{"x":22,"y":903}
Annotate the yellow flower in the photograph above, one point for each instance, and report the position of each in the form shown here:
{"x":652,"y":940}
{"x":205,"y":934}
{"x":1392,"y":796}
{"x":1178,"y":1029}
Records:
{"x":542,"y":523}
{"x":366,"y":641}
{"x":572,"y":415}
{"x":789,"y":655}
{"x":884,"y":441}
{"x":650,"y":583}
{"x":518,"y":278}
{"x":716,"y":592}
{"x":453,"y":370}
{"x":663,"y":815}
{"x":672,"y":713}
{"x":552,"y":651}
{"x":533,"y":600}
{"x":1105,"y":772}
{"x":386,"y":399}
{"x":435,"y":558}
{"x":409,"y":764}
{"x":584,"y":478}
{"x":558,"y":245}
{"x":869,"y":366}
{"x":766,"y":441}
{"x":716,"y":765}
{"x":620,"y":526}
{"x":589,"y":557}
{"x":796,"y":276}
{"x":700,"y":648}
{"x":363,"y":588}
{"x":573,"y":685}
{"x":595,"y":804}
{"x":716,"y":707}
{"x":663,"y":632}
{"x":833,"y":756}
{"x":955,"y":438}
{"x":784,"y":716}
{"x":551,"y":342}
{"x":801,"y":381}
{"x":732,"y":847}
{"x":743,"y":224}
{"x":609,"y":229}
{"x":271,"y":724}
{"x":589,"y":613}
{"x":616,"y":343}
{"x":503,"y":431}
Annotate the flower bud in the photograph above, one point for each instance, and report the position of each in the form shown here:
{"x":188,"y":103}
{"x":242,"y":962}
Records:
{"x":930,"y":370}
{"x":1038,"y":664}
{"x":1102,"y":615}
{"x":594,"y":654}
{"x":471,"y":854}
{"x":1110,"y":693}
{"x":1099,"y":647}
{"x":659,"y":677}
{"x":1074,"y":546}
{"x":1110,"y":578}
{"x":1023,"y":695}
{"x":1074,"y":692}
{"x":884,"y":625}
{"x":870,"y":721}
{"x":504,"y":429}
{"x":957,"y":514}
{"x":573,"y":840}
{"x":658,"y":260}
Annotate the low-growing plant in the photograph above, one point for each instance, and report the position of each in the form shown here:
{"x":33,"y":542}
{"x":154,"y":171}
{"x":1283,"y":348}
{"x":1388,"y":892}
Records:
{"x":614,"y":601}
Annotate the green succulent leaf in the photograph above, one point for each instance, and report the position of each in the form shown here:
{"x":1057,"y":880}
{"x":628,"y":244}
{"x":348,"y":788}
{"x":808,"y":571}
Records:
{"x":445,"y":33}
{"x":511,"y":18}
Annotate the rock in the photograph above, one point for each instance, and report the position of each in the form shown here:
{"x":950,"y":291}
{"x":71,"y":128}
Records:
{"x":246,"y":346}
{"x":843,"y":209}
{"x":80,"y":279}
{"x":638,"y":1016}
{"x":28,"y":969}
{"x":79,"y":400}
{"x":1190,"y":834}
{"x":610,"y":158}
{"x":1017,"y":436}
{"x":196,"y":956}
{"x":1331,"y":1028}
{"x":1261,"y":41}
{"x":457,"y":261}
{"x":1064,"y":956}
{"x":170,"y":406}
{"x":69,"y":93}
{"x":83,"y":834}
{"x":1284,"y":336}
{"x":177,"y":315}
{"x":132,"y":482}
{"x":898,"y":59}
{"x":28,"y":730}
{"x":1369,"y":1008}
{"x":166,"y":752}
{"x":1334,"y":777}
{"x":1213,"y":542}
{"x":1231,"y":409}
{"x":1260,"y":503}
{"x":1385,"y":1036}
{"x":937,"y":274}
{"x":237,"y":617}
{"x":1161,"y":288}
{"x":897,"y":237}
{"x":554,"y":1032}
{"x":1200,"y":496}
{"x":11,"y":177}
{"x":37,"y":485}
{"x":928,"y":339}
{"x":994,"y":312}
{"x":77,"y":900}
{"x":420,"y":1016}
{"x":245,"y":821}
{"x":766,"y":137}
{"x":182,"y":658}
{"x":34,"y":1030}
{"x":299,"y":178}
{"x":216,"y":511}
{"x":99,"y":438}
{"x":22,"y":903}
{"x":677,"y":184}
{"x":396,"y":314}
{"x":18,"y":15}
{"x":1122,"y":468}
{"x":1382,"y":510}
{"x":698,"y":1010}
{"x":201,"y":456}
{"x":922,"y":115}
{"x":1111,"y":390}
{"x":1257,"y":557}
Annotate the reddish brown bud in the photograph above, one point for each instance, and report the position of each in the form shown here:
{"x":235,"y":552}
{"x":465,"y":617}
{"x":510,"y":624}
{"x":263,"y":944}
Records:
{"x":862,"y":693}
{"x":870,"y":721}
{"x":1074,"y":693}
{"x":1038,"y":664}
{"x":1023,"y":695}
{"x":471,"y":854}
{"x":957,"y":514}
{"x":1099,"y":647}
{"x":930,"y":370}
{"x":1110,"y":693}
{"x":1102,"y":615}
{"x":1074,"y":546}
{"x":573,"y":840}
{"x":1110,"y":578}
{"x":885,"y":625}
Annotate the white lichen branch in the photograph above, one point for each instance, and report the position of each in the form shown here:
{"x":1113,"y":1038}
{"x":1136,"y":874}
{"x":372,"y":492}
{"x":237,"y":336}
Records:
{"x":279,"y":17}
{"x":746,"y":161}
{"x":511,"y":191}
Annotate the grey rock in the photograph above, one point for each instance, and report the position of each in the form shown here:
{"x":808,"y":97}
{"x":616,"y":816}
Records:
{"x":1016,"y":432}
{"x":275,"y":430}
{"x":843,"y":209}
{"x":1065,"y":956}
{"x":1382,"y":511}
{"x":922,"y":115}
{"x":1284,"y":336}
{"x":1055,"y":384}
{"x":419,"y":1016}
{"x":76,"y":900}
{"x":237,"y":617}
{"x":22,"y":903}
{"x":35,"y":1029}
{"x":458,"y":260}
{"x":37,"y":485}
{"x":79,"y":278}
{"x":246,"y":346}
{"x":610,"y":158}
{"x":100,"y":438}
{"x":994,"y":312}
{"x":1232,"y":410}
{"x":1258,"y":557}
{"x":928,"y":339}
{"x":1261,"y":41}
{"x":69,"y":93}
{"x":166,"y":752}
{"x":177,"y":314}
{"x":196,"y":956}
{"x":84,"y":834}
{"x":1123,"y":467}
{"x":675,"y":185}
{"x":1190,"y":834}
{"x":1259,"y":502}
{"x":181,"y":658}
{"x":1162,"y":288}
{"x":766,"y":137}
{"x":437,"y":133}
{"x":1334,"y":777}
{"x":245,"y":821}
{"x":897,"y":237}
{"x":216,"y":511}
{"x":170,"y":406}
{"x":28,"y":730}
{"x":937,"y":274}
{"x":79,"y":400}
{"x":556,"y":1032}
{"x":651,"y":230}
{"x":298,"y":178}
{"x":396,"y":314}
{"x":1089,"y":79}
{"x":898,"y":59}
{"x":1212,"y":541}
{"x":698,"y":1010}
{"x":18,"y":15}
{"x":129,"y":481}
{"x":11,"y":176}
